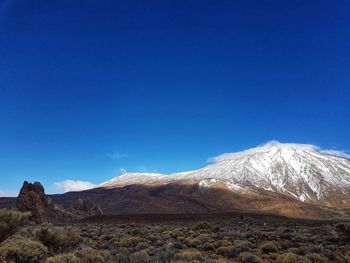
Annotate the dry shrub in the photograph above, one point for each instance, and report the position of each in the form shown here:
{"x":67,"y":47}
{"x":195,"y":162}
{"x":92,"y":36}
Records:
{"x":247,"y":257}
{"x":129,"y":241}
{"x":202,"y":225}
{"x":225,"y":243}
{"x":89,"y":255}
{"x":316,"y":258}
{"x":193,"y":242}
{"x":208,"y":247}
{"x":177,"y":233}
{"x":10,"y":221}
{"x":288,"y":258}
{"x":228,"y":251}
{"x":140,"y":257}
{"x":164,"y":255}
{"x":344,"y":228}
{"x":23,"y":250}
{"x":57,"y":238}
{"x":63,"y":258}
{"x":268,"y":247}
{"x":191,"y":254}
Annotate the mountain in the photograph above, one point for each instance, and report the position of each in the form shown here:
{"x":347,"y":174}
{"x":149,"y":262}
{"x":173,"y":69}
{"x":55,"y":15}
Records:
{"x":294,"y":180}
{"x":299,"y":171}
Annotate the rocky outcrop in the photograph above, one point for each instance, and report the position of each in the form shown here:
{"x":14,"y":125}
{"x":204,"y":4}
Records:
{"x":32,"y":198}
{"x":88,"y":208}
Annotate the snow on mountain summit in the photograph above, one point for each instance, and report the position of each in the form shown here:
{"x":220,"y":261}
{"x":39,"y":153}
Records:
{"x":302,"y":171}
{"x":276,"y":145}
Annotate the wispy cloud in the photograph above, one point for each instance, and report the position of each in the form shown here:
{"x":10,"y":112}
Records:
{"x":117,"y":156}
{"x":72,"y":185}
{"x":267,"y":146}
{"x":7,"y":194}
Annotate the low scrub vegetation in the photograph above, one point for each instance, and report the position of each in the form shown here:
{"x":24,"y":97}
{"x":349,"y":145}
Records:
{"x":10,"y":221}
{"x":214,"y":241}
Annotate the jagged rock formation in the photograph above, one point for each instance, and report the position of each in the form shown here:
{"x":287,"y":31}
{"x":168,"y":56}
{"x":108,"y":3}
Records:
{"x":32,"y":198}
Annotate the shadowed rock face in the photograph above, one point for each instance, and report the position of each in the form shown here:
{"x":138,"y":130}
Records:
{"x":32,"y":198}
{"x":88,"y":208}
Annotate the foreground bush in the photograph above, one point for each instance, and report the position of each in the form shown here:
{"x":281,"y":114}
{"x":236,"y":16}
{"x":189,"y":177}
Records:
{"x":57,"y":238}
{"x":23,"y":251}
{"x":10,"y":221}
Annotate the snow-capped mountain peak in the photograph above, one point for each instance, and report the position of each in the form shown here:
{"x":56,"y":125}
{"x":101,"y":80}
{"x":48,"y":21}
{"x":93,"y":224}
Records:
{"x":302,"y":171}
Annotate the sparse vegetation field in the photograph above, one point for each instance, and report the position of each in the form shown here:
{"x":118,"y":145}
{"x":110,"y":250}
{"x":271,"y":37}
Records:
{"x":211,"y":240}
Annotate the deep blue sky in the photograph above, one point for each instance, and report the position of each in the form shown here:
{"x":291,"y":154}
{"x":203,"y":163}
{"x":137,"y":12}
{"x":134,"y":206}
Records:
{"x":165,"y":84}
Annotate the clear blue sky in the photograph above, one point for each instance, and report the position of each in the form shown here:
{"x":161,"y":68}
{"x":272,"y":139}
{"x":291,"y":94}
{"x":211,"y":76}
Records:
{"x":89,"y":88}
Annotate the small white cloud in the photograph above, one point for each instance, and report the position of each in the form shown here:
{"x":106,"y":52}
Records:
{"x":8,"y":194}
{"x":117,"y":156}
{"x":267,"y":146}
{"x":71,"y":185}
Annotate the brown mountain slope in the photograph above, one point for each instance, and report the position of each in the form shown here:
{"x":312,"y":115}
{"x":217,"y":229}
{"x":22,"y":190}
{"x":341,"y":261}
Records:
{"x":188,"y":197}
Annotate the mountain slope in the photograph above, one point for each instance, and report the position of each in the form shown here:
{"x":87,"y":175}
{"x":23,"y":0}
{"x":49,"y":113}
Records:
{"x":300,"y":171}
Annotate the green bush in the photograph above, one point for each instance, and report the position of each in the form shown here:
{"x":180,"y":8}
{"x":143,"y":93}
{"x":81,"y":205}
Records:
{"x":63,"y":258}
{"x":57,"y":238}
{"x":10,"y":221}
{"x":23,"y":251}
